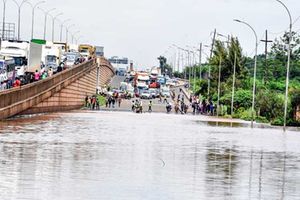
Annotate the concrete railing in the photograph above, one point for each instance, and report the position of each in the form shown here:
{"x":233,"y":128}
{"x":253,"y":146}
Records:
{"x":14,"y":101}
{"x":22,"y":93}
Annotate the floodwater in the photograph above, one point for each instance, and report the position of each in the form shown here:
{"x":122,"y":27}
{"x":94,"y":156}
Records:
{"x":127,"y":156}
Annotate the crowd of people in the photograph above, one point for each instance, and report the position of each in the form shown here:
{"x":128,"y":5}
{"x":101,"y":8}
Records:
{"x":28,"y":78}
{"x":181,"y":104}
{"x":37,"y":75}
{"x":111,"y":100}
{"x":7,"y":84}
{"x":204,"y":107}
{"x":92,"y":102}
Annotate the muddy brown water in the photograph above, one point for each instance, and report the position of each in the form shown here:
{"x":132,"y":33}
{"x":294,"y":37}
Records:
{"x":126,"y":156}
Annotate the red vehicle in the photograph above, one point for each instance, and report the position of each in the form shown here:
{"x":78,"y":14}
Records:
{"x":154,"y":85}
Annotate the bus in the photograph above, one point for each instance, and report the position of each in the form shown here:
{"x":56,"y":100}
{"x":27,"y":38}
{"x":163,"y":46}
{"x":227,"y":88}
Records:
{"x":7,"y":69}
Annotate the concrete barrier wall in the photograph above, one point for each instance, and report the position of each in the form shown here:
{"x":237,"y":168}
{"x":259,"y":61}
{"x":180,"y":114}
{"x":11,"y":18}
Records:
{"x":63,"y":91}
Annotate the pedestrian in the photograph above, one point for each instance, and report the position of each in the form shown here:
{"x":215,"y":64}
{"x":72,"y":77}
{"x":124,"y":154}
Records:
{"x":165,"y":99}
{"x":94,"y":103}
{"x":106,"y":102}
{"x":141,"y":106}
{"x":3,"y":86}
{"x":113,"y":101}
{"x":176,"y":107}
{"x":50,"y":72}
{"x":182,"y":107}
{"x":86,"y":100}
{"x":17,"y":83}
{"x":109,"y":101}
{"x":36,"y":75}
{"x":119,"y":101}
{"x":44,"y":75}
{"x":60,"y":67}
{"x":150,"y":107}
{"x":97,"y":104}
{"x":91,"y":103}
{"x":132,"y":106}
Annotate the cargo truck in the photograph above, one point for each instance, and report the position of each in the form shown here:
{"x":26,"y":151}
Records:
{"x":18,"y":50}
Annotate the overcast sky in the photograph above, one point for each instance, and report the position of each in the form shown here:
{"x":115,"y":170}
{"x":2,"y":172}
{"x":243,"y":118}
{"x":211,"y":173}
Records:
{"x":144,"y":29}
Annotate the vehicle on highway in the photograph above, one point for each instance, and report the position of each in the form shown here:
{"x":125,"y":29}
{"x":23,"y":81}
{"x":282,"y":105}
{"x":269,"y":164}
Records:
{"x":170,"y":82}
{"x":161,"y":80}
{"x":86,"y":50}
{"x":154,"y":93}
{"x":130,"y":92}
{"x":51,"y":55}
{"x":71,"y":59}
{"x":7,"y":69}
{"x":154,"y":85}
{"x":141,"y":80}
{"x":18,"y":50}
{"x":165,"y":92}
{"x":169,"y":107}
{"x":145,"y":94}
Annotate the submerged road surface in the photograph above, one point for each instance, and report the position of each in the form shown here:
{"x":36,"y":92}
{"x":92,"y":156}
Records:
{"x":127,"y":156}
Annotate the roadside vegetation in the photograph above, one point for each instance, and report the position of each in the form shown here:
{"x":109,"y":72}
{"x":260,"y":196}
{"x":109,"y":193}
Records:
{"x":271,"y":76}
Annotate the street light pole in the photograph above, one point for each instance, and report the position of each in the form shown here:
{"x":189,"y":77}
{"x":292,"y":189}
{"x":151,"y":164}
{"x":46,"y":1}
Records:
{"x":33,"y":6}
{"x":77,"y":39}
{"x":45,"y":23}
{"x":67,"y":31}
{"x":255,"y":64}
{"x":233,"y":84}
{"x":61,"y":28}
{"x":73,"y":35}
{"x":288,"y":64}
{"x":53,"y":24}
{"x":219,"y":86}
{"x":19,"y":15}
{"x":200,"y":61}
{"x":3,"y":21}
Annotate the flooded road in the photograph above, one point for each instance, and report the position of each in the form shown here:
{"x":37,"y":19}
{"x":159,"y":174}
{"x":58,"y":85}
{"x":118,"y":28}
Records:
{"x":126,"y":156}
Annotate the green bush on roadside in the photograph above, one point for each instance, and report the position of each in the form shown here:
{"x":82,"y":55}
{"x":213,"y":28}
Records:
{"x":101,"y":99}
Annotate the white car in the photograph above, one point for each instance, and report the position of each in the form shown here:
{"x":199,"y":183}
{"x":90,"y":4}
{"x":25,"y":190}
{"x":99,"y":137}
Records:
{"x":145,"y":94}
{"x":171,"y":83}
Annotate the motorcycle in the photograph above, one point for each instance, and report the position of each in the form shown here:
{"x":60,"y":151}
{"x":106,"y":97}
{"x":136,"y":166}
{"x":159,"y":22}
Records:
{"x":169,"y":108}
{"x":138,"y":109}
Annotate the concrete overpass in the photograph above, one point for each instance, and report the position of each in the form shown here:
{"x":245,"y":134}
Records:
{"x":61,"y":92}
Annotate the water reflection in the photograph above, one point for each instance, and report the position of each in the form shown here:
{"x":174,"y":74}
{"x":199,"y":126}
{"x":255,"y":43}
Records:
{"x":128,"y":156}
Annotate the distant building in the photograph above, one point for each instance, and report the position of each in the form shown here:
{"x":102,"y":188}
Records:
{"x":121,"y":65}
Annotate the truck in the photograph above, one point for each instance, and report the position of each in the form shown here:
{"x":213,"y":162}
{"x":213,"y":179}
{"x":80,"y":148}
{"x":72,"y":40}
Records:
{"x":34,"y":57}
{"x":86,"y":50}
{"x":18,"y":50}
{"x":51,"y":56}
{"x":99,"y":51}
{"x":141,"y":80}
{"x":7,"y":69}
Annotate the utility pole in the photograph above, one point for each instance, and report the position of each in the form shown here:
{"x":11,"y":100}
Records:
{"x":233,"y":83}
{"x":266,"y":71}
{"x":219,"y":87}
{"x":178,"y":63}
{"x":200,"y":61}
{"x":211,"y":53}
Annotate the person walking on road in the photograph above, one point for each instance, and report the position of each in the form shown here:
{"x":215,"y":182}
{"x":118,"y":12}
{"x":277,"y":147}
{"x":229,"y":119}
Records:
{"x":119,"y":101}
{"x":165,"y":99}
{"x":132,"y":106}
{"x":109,"y":101}
{"x":150,"y":107}
{"x":113,"y":102}
{"x":86,"y":101}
